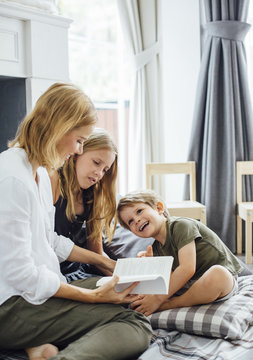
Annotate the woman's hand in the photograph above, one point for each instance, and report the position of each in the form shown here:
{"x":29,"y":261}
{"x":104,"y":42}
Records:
{"x":103,"y":294}
{"x":107,"y":293}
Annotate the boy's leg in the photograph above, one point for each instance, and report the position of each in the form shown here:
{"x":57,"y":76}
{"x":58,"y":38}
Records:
{"x":102,"y":329}
{"x":215,"y":283}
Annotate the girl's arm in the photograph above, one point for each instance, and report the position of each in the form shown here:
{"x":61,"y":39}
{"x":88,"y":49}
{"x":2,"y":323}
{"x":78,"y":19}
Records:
{"x":96,"y":246}
{"x":79,"y":254}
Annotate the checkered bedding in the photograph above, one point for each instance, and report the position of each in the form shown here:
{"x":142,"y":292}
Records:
{"x":228,"y":319}
{"x":181,"y":345}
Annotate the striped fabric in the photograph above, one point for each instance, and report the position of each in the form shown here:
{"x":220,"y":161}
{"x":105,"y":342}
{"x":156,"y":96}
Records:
{"x":176,"y":345}
{"x":11,"y":355}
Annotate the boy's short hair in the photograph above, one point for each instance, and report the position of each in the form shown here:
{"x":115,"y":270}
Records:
{"x":148,"y":197}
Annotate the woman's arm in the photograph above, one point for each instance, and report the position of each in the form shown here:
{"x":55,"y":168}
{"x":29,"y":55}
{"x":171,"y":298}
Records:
{"x":103,"y":294}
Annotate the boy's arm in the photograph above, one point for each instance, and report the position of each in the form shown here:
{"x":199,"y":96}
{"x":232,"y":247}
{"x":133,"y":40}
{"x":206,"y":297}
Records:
{"x":186,"y":268}
{"x":148,"y":304}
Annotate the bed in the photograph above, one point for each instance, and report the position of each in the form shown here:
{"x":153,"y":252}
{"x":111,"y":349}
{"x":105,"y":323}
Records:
{"x":218,"y":331}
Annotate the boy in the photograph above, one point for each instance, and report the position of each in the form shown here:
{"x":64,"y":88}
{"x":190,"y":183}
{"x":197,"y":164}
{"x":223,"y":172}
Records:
{"x":204,"y":269}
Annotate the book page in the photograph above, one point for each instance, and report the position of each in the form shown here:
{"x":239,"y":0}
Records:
{"x":144,"y":266}
{"x":153,"y":274}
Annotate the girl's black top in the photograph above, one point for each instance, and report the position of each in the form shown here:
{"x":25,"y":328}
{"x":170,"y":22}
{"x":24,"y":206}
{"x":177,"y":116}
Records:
{"x":76,"y":231}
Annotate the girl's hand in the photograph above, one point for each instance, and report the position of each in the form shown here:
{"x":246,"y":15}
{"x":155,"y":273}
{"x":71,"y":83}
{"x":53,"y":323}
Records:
{"x":147,"y":304}
{"x":107,"y":294}
{"x":147,"y":253}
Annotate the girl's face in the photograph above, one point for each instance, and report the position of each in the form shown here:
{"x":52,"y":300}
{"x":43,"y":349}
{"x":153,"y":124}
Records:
{"x":72,"y":142}
{"x":92,"y":165}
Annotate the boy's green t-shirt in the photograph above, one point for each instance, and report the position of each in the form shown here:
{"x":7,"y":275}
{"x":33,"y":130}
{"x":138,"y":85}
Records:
{"x":210,"y":250}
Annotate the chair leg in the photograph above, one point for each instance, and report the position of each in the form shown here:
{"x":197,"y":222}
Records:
{"x":203,"y":216}
{"x":248,"y":242}
{"x":239,"y":235}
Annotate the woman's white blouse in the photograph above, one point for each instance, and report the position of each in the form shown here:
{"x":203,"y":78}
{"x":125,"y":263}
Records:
{"x":30,"y":250}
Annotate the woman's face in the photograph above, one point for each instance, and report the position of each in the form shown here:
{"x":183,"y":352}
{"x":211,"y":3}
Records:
{"x":92,"y":165}
{"x":72,"y":142}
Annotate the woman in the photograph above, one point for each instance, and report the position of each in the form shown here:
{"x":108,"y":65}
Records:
{"x":37,"y":306}
{"x":85,"y":199}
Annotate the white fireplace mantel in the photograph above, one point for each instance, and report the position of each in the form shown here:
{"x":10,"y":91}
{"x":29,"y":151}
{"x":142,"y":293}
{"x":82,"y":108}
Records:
{"x":34,"y":46}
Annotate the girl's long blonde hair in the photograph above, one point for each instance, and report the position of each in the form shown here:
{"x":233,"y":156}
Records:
{"x":63,"y":107}
{"x":104,"y":192}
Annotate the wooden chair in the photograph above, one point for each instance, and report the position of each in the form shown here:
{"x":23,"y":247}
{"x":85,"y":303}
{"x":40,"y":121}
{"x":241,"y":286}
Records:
{"x":244,"y":210}
{"x":188,"y":208}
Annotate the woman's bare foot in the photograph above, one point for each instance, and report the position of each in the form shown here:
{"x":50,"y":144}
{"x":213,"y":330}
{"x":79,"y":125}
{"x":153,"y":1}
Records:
{"x":42,"y":352}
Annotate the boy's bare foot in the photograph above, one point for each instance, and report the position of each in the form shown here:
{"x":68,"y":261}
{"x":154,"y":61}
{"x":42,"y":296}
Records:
{"x":42,"y":352}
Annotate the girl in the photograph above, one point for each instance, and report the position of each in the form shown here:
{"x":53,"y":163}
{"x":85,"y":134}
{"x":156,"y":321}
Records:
{"x":37,"y":306}
{"x":85,"y":199}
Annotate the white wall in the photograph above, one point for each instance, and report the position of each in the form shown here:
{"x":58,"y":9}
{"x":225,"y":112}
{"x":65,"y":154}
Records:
{"x":181,"y":61}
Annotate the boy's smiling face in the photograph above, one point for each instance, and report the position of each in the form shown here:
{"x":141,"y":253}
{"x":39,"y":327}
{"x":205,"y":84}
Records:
{"x":143,"y":220}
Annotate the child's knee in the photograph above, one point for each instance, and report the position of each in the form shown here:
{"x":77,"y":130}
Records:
{"x":218,"y":276}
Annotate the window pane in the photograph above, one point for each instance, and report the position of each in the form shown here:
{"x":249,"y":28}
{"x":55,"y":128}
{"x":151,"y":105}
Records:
{"x":93,"y":46}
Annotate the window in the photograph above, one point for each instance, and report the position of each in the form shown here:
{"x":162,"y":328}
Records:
{"x":96,"y":66}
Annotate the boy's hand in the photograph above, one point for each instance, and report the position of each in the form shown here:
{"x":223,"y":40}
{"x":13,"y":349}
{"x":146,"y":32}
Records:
{"x":147,"y":304}
{"x":147,"y":253}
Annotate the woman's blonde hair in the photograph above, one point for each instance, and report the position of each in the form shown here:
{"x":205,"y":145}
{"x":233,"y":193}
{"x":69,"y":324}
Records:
{"x":63,"y":107}
{"x":148,"y":197}
{"x":104,"y":192}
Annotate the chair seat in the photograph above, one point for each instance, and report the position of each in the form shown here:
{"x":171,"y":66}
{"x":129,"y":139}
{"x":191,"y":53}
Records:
{"x":188,"y":208}
{"x":245,"y":210}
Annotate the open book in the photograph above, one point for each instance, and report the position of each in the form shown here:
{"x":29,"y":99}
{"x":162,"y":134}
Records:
{"x":153,"y":274}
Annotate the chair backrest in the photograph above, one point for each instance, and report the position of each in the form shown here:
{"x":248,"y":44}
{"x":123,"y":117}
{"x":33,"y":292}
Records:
{"x":242,"y":168}
{"x":188,"y":168}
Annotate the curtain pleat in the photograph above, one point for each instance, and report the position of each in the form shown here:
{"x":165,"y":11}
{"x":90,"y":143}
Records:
{"x":222,"y":130}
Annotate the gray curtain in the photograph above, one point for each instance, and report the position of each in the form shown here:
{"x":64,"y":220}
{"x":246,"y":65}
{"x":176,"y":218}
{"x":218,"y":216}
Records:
{"x":222,"y":130}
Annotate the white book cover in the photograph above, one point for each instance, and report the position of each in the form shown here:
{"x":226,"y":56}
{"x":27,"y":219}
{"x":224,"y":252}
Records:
{"x":152,"y":273}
